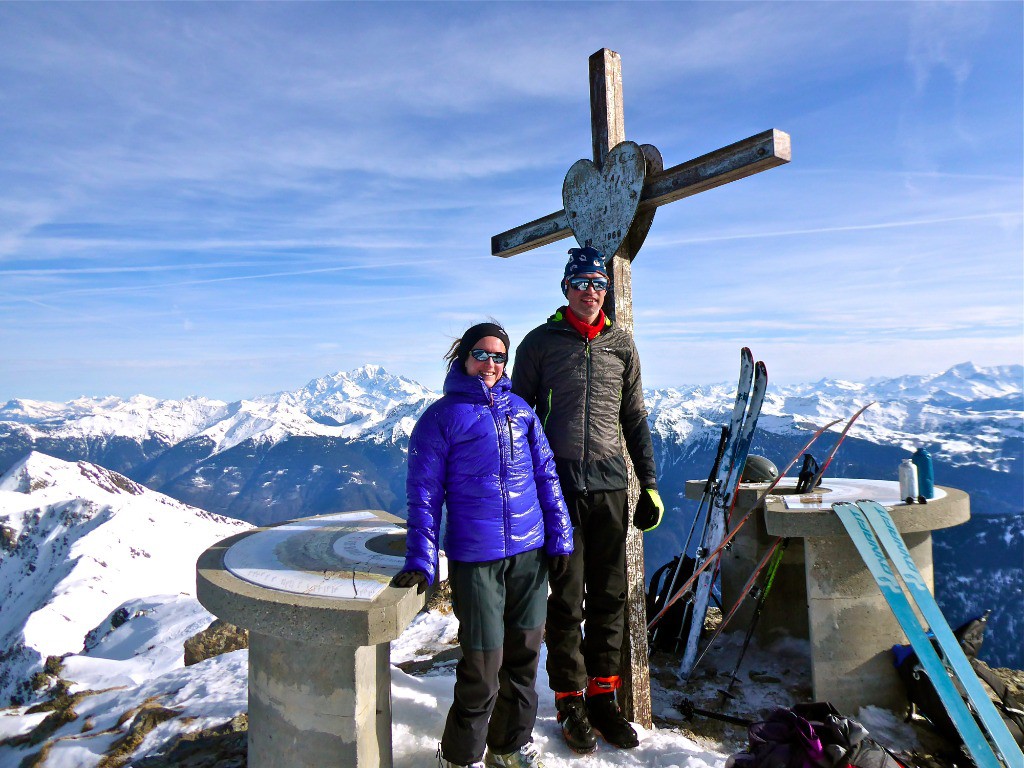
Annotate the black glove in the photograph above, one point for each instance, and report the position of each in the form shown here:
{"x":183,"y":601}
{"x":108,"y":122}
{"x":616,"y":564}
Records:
{"x":558,"y":566}
{"x":649,"y":510}
{"x":405,"y":579}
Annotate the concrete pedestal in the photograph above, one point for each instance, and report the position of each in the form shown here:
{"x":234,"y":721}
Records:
{"x":824,"y":592}
{"x":314,"y":595}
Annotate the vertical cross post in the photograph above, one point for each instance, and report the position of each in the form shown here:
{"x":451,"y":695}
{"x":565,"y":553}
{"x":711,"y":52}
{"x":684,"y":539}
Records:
{"x":765,"y":150}
{"x":608,"y":129}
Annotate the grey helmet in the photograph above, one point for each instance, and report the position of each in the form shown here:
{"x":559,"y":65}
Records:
{"x":758,"y":469}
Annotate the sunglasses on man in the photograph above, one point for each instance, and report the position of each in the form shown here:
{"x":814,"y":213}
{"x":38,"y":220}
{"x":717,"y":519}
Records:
{"x":582,"y":283}
{"x":482,"y":354}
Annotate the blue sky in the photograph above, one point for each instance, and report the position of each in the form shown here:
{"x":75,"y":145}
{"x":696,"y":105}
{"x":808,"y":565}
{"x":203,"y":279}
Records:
{"x":231,"y":199}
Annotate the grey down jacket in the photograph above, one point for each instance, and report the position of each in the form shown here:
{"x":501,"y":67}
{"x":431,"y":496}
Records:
{"x":584,"y":392}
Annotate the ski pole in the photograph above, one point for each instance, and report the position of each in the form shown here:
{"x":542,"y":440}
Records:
{"x":729,"y":537}
{"x":761,"y":599}
{"x":739,"y":600}
{"x":688,"y":710}
{"x":828,"y":459}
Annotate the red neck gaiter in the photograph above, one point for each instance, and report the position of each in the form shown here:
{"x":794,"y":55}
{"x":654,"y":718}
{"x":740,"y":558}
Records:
{"x":588,"y":332}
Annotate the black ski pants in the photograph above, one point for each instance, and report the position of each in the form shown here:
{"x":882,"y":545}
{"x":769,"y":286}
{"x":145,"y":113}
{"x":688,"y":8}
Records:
{"x":586,"y":607}
{"x":500,"y":607}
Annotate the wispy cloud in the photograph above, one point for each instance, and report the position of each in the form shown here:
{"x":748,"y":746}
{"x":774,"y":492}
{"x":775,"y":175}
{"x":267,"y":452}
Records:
{"x":215,"y":187}
{"x":1004,"y":216}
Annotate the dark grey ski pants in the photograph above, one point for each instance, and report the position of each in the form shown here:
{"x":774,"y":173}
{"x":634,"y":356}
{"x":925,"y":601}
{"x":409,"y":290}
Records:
{"x":593,"y":590}
{"x":500,"y":607}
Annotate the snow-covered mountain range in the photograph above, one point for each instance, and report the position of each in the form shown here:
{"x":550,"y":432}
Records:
{"x":365,"y":404}
{"x":339,"y":443}
{"x":967,"y":415}
{"x":980,"y":406}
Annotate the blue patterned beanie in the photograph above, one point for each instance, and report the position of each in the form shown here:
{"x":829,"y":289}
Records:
{"x":582,"y":261}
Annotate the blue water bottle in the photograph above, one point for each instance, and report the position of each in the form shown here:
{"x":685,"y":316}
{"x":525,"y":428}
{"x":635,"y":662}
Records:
{"x":925,"y":474}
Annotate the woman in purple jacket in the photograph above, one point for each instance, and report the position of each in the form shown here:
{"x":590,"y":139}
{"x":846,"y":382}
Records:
{"x":481,"y":452}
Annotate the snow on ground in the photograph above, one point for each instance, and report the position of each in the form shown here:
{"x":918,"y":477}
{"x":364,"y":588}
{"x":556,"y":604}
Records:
{"x":773,"y":677}
{"x":137,"y":667}
{"x":79,"y":541}
{"x":420,"y":704}
{"x":100,"y":572}
{"x":141,"y":661}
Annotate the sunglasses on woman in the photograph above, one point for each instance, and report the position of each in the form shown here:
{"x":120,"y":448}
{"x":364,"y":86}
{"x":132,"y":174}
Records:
{"x":482,"y":354}
{"x":582,"y":283}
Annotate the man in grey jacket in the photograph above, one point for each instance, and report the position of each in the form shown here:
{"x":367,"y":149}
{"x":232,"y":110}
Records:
{"x":582,"y":375}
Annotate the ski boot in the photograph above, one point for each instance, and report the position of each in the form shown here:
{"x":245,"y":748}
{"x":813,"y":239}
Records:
{"x":572,"y":714}
{"x":605,"y":715}
{"x":525,"y":757}
{"x":443,"y":762}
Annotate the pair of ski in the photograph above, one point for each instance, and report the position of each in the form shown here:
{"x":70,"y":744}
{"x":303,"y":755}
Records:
{"x":875,"y":535}
{"x":708,"y":557}
{"x":718,"y":499}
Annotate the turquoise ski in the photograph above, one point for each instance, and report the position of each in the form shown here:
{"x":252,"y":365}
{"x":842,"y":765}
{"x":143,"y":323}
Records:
{"x":896,"y":548}
{"x":870,"y":550}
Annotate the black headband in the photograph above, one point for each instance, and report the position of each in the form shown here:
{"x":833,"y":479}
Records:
{"x":477,"y":332}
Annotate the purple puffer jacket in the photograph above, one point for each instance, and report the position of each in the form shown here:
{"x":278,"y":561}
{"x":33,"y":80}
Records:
{"x":482,"y":453}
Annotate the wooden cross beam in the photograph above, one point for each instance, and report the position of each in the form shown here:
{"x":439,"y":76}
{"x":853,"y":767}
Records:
{"x":736,"y":161}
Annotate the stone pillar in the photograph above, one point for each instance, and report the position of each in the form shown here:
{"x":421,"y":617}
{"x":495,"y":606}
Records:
{"x":329,"y":703}
{"x":852,"y":629}
{"x":315,"y":597}
{"x":850,"y":625}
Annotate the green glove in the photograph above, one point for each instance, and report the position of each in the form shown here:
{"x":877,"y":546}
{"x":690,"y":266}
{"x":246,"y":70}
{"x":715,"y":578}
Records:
{"x":649,"y":510}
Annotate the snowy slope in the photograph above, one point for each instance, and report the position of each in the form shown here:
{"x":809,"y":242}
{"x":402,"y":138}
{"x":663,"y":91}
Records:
{"x":78,"y":541}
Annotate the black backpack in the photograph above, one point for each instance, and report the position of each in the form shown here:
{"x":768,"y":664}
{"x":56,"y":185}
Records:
{"x":811,"y":736}
{"x":925,"y":700}
{"x":667,"y":632}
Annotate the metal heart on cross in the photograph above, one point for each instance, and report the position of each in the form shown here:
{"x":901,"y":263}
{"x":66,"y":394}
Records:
{"x":600,"y":204}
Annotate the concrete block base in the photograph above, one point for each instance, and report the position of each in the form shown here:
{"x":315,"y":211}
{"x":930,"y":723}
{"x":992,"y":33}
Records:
{"x":329,"y":704}
{"x":851,"y":630}
{"x":320,"y":651}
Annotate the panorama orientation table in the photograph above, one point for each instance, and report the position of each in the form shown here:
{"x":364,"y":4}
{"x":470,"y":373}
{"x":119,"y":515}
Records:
{"x":823,"y":591}
{"x":315,"y":596}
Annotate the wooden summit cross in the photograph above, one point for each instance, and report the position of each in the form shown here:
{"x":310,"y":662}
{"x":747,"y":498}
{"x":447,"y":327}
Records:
{"x":657,"y":187}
